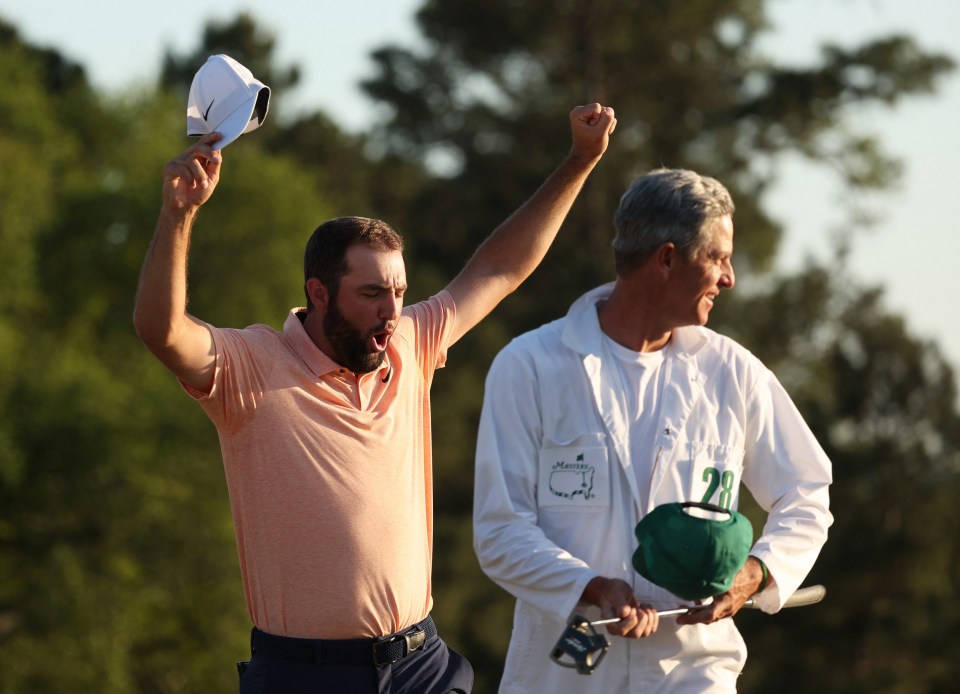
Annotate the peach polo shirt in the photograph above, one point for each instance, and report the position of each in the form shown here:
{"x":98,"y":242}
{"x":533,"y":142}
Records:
{"x":330,"y":475}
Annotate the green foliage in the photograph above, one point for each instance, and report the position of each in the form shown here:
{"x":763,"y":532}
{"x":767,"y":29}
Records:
{"x":484,"y":104}
{"x":248,"y":249}
{"x":115,"y":512}
{"x":490,"y":92}
{"x":115,"y":532}
{"x":242,"y":39}
{"x":883,"y":405}
{"x":24,"y":191}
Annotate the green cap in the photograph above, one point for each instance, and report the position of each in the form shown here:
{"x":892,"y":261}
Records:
{"x":692,"y":556}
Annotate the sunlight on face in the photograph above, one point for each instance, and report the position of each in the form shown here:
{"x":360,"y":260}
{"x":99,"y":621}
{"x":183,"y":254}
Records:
{"x":361,"y":321}
{"x":704,"y":274}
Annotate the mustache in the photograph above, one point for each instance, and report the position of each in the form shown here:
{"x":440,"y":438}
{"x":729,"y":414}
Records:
{"x":388,"y":326}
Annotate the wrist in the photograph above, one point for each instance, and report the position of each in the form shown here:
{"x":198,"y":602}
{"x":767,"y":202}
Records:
{"x":178,"y":215}
{"x":764,"y":574}
{"x":593,"y":590}
{"x":582,"y":161}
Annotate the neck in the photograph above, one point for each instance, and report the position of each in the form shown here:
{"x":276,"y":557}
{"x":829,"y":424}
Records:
{"x":629,"y":318}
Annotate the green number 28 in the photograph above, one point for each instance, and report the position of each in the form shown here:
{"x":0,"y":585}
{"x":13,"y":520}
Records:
{"x":724,"y":482}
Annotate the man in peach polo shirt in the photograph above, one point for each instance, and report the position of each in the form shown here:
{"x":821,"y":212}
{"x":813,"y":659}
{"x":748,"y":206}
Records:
{"x":325,"y":426}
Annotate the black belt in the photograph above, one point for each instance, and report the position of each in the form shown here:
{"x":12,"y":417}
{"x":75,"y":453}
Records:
{"x":375,"y":651}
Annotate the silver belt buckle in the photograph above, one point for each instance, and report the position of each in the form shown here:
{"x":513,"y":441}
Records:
{"x":413,"y":640}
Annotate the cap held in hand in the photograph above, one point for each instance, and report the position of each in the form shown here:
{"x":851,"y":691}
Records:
{"x":225,"y":97}
{"x":686,"y":549}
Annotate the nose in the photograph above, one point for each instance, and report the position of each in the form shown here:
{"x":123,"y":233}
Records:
{"x":727,"y":279}
{"x":390,"y":308}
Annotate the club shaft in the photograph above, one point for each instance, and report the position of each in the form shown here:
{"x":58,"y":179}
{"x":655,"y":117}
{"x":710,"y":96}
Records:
{"x":661,"y":613}
{"x":804,"y":596}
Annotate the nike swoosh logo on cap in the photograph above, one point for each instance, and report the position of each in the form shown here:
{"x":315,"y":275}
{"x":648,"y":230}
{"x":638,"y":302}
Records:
{"x":207,"y":112}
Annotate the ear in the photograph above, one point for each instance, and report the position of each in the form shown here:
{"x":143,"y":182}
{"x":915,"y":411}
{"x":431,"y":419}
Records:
{"x":665,"y":258}
{"x":317,"y":291}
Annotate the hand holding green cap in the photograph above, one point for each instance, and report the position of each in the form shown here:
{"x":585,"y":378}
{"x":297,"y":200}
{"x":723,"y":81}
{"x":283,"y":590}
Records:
{"x":692,"y":556}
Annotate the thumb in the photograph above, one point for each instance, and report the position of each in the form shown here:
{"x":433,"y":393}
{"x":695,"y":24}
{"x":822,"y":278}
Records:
{"x":589,"y":113}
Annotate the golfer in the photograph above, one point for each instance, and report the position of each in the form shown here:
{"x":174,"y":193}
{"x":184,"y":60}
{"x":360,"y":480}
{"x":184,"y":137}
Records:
{"x":325,"y":426}
{"x":628,"y":403}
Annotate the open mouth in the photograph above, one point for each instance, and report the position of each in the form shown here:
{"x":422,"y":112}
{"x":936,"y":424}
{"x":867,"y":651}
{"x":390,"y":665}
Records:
{"x":380,"y":339}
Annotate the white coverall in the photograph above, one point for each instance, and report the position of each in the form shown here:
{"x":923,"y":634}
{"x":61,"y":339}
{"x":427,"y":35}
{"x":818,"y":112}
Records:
{"x":556,"y":498}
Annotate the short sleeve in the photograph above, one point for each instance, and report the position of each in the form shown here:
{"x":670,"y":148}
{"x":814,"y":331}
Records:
{"x":243,"y":361}
{"x":430,"y":324}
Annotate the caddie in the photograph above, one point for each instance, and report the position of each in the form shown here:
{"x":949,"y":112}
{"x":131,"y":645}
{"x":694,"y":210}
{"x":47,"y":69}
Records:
{"x":632,"y":392}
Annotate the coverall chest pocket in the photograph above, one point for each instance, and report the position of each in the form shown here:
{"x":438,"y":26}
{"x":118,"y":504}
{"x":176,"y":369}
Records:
{"x":573,"y":477}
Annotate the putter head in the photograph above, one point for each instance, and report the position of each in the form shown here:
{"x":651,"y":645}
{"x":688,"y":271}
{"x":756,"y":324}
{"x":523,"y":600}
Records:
{"x":580,"y":646}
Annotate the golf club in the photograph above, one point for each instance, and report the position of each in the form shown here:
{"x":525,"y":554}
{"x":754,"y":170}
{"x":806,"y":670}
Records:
{"x":804,"y":596}
{"x":582,"y":647}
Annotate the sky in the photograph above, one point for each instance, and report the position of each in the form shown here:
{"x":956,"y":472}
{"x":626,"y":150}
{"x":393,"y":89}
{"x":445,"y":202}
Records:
{"x":913,"y":251}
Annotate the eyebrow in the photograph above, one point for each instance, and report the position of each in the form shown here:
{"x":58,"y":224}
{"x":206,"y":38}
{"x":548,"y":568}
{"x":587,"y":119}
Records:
{"x":383,"y":287}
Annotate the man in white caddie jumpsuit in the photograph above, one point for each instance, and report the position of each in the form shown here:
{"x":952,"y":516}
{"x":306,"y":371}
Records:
{"x":627,"y":403}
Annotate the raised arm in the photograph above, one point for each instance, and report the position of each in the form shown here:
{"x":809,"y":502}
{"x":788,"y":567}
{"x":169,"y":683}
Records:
{"x":160,"y":317}
{"x":515,"y":248}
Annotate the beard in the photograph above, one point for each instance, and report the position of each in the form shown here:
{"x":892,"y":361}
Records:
{"x":349,"y":343}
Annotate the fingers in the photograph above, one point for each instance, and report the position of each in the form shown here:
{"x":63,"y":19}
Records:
{"x":585,"y":113}
{"x":195,"y":170}
{"x":699,"y":615}
{"x":612,"y":120}
{"x":627,"y":623}
{"x":593,"y":115}
{"x":647,"y":622}
{"x":190,"y":177}
{"x":210,"y":138}
{"x":592,"y":125}
{"x":589,"y":114}
{"x":721,"y":607}
{"x":204,"y":156}
{"x":605,"y":120}
{"x":615,"y":599}
{"x":637,"y":623}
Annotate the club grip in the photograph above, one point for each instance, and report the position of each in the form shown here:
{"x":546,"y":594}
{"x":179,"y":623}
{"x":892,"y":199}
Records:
{"x":804,"y":596}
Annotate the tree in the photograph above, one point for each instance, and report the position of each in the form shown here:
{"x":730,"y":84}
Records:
{"x":242,"y":39}
{"x":689,"y":88}
{"x":484,"y":104}
{"x":884,"y":406}
{"x":24,"y":188}
{"x":115,"y":517}
{"x":115,"y":513}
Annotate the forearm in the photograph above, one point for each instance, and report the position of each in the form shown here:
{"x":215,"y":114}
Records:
{"x":516,"y":247}
{"x":161,"y":302}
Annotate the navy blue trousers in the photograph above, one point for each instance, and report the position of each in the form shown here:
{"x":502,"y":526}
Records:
{"x":434,"y":669}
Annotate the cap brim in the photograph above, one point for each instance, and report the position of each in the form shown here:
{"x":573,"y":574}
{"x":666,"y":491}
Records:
{"x":234,"y":125}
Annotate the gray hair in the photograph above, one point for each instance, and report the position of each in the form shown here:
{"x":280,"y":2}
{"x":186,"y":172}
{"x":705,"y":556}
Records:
{"x":666,"y":206}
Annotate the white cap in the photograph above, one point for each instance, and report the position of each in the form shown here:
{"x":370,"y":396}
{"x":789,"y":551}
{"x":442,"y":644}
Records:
{"x":225,"y":97}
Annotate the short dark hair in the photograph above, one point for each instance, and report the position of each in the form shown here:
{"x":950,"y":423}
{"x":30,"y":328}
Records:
{"x":325,"y":256}
{"x":666,"y":206}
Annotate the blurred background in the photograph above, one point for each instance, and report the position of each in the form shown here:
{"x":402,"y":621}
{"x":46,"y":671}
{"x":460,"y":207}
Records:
{"x":833,"y":123}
